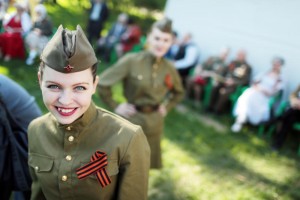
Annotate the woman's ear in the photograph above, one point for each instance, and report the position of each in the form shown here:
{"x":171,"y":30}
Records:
{"x":40,"y":78}
{"x":95,"y":84}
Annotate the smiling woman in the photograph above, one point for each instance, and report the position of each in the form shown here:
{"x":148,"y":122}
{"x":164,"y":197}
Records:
{"x":78,"y":143}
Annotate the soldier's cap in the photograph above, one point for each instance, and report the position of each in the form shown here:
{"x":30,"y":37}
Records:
{"x":165,"y":25}
{"x":69,"y":51}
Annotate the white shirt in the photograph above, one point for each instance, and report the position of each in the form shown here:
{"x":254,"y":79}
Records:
{"x":95,"y":12}
{"x":190,"y":58}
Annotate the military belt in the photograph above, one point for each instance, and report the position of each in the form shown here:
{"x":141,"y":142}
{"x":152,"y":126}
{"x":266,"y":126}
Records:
{"x":147,"y":108}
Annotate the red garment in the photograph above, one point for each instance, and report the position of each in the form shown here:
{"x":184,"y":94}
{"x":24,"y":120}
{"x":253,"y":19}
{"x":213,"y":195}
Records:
{"x":12,"y":44}
{"x":131,"y":37}
{"x":199,"y":80}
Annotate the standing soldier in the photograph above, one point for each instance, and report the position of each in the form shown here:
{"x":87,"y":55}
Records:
{"x":77,"y":150}
{"x":151,"y":86}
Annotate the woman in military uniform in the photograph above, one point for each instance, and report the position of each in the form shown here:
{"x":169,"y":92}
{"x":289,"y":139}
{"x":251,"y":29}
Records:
{"x":77,"y":150}
{"x":151,"y":86}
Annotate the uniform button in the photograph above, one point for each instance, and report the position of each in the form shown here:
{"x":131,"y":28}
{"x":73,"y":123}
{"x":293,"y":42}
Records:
{"x":68,"y":157}
{"x":69,"y":128}
{"x":71,"y":138}
{"x":64,"y":178}
{"x":140,"y":77}
{"x":36,"y":168}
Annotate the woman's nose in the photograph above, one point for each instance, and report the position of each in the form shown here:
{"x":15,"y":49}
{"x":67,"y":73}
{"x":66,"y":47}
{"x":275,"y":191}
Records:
{"x":65,"y":97}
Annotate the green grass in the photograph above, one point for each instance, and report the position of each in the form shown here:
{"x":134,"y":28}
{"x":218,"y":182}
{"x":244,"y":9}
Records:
{"x":199,"y":162}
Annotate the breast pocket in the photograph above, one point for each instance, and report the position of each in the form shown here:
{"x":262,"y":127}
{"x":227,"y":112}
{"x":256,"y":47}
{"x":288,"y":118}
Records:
{"x":42,"y":166}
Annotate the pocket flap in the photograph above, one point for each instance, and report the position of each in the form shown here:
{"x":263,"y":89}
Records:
{"x":40,"y":163}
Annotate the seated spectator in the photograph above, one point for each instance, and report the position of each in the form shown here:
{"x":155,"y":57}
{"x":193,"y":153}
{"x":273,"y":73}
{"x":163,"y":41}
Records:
{"x":17,"y":25}
{"x":237,"y":74}
{"x":39,"y":34}
{"x":213,"y":67}
{"x":129,"y":38}
{"x":186,"y":58}
{"x":23,"y":109}
{"x":287,"y":120}
{"x":253,"y":105}
{"x":106,"y":44}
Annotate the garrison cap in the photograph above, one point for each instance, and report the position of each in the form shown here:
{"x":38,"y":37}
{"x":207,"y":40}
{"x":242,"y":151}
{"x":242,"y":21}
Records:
{"x":69,"y":51}
{"x":165,"y":25}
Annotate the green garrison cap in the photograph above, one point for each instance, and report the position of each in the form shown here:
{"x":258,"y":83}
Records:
{"x":165,"y":25}
{"x":69,"y":51}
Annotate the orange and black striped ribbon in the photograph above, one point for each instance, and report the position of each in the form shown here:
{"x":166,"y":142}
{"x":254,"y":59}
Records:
{"x":96,"y":167}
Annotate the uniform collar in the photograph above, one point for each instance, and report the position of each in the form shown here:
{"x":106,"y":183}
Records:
{"x":83,"y":121}
{"x":152,"y":58}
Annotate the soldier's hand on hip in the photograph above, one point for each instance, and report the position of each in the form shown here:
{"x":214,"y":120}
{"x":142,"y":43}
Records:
{"x":162,"y":110}
{"x":125,"y":110}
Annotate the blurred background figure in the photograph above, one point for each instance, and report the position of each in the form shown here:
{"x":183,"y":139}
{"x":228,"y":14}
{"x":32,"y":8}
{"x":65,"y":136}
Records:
{"x":174,"y":47}
{"x":15,"y":27}
{"x":98,"y":15}
{"x":237,"y":74}
{"x":287,"y":120}
{"x":39,"y":35}
{"x":253,"y":105}
{"x":186,"y":58}
{"x":23,"y":109}
{"x":152,"y":86}
{"x":106,"y":44}
{"x":3,"y":8}
{"x":129,"y":38}
{"x":212,"y":68}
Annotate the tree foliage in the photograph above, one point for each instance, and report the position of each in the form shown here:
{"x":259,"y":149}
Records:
{"x":151,"y":5}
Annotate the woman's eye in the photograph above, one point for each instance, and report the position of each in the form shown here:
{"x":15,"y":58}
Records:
{"x":53,"y":87}
{"x":80,"y":88}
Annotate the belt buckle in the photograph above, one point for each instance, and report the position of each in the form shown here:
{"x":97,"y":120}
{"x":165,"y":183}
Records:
{"x":147,"y":109}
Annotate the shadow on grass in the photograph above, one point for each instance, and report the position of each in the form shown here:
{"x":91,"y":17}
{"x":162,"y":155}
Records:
{"x":219,"y":153}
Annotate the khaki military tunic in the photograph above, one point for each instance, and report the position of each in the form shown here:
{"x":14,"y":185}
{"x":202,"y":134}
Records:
{"x":240,"y":72}
{"x":295,"y":94}
{"x":216,"y":65}
{"x":56,"y":151}
{"x":145,"y":82}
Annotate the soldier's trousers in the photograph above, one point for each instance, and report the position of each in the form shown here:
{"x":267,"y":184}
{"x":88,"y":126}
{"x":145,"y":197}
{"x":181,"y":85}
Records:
{"x":152,"y":125}
{"x":220,"y":97}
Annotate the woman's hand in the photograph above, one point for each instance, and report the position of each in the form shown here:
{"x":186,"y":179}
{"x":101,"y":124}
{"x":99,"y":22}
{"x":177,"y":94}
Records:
{"x":125,"y":110}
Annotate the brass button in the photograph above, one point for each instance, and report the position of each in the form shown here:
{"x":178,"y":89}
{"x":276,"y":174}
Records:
{"x":71,"y":138}
{"x":69,"y":128}
{"x":140,"y":77}
{"x":68,"y":157}
{"x":64,"y":178}
{"x":36,"y":168}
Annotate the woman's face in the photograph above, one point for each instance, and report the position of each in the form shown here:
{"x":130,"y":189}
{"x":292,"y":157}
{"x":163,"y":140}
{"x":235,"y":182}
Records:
{"x":67,"y":96}
{"x":159,"y":42}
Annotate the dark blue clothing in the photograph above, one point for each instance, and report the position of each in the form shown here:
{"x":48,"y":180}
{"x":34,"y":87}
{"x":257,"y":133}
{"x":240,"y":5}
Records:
{"x":95,"y":26}
{"x":22,"y":107}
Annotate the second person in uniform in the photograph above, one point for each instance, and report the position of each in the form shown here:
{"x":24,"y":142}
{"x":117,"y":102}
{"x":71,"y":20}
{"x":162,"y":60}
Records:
{"x":151,"y":86}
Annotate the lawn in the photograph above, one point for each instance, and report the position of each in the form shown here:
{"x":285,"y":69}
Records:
{"x":200,"y":162}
